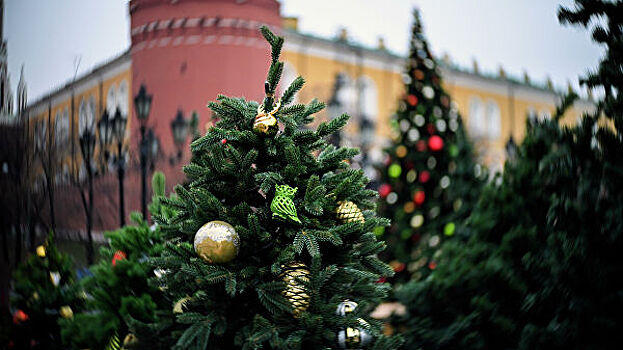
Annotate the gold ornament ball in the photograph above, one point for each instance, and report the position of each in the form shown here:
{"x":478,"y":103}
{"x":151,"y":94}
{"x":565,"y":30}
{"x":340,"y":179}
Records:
{"x":66,"y":312}
{"x":348,"y":211}
{"x":295,"y":291}
{"x":130,"y":340}
{"x":41,"y":251}
{"x":217,"y":242}
{"x":265,"y":124}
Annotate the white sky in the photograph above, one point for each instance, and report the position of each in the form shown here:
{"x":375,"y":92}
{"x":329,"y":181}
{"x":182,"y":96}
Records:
{"x":49,"y":35}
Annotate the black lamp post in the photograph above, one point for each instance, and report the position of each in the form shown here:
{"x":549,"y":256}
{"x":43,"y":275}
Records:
{"x":179,"y":128}
{"x":118,"y":130}
{"x":87,"y":146}
{"x":142,"y":103}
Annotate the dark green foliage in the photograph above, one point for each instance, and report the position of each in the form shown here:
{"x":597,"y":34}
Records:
{"x":239,"y":304}
{"x":36,"y":295}
{"x":542,"y":269}
{"x":449,"y":178}
{"x":125,"y":297}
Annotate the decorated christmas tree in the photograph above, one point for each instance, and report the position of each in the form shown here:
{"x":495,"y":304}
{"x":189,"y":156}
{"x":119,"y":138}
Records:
{"x":44,"y":293}
{"x":273,"y":244}
{"x":429,"y":183}
{"x":121,"y":295}
{"x":542,"y":268}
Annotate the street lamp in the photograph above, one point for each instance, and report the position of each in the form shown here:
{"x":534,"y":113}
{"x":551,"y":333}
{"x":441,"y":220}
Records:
{"x":179,"y":128}
{"x":87,"y":146}
{"x":142,"y":103}
{"x":103,"y":126}
{"x":118,"y":124}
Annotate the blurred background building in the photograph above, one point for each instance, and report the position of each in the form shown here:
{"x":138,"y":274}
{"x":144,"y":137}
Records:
{"x":186,"y":52}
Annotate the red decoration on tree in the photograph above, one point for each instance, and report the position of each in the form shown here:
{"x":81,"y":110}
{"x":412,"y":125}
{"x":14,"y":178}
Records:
{"x":399,"y":267}
{"x":223,"y":141}
{"x":421,"y":146}
{"x":384,"y":190}
{"x":412,"y":100}
{"x":119,"y":255}
{"x":19,"y":316}
{"x":424,"y":176}
{"x":430,"y":128}
{"x":381,"y":280}
{"x":435,"y":143}
{"x":419,"y":197}
{"x":432,"y":265}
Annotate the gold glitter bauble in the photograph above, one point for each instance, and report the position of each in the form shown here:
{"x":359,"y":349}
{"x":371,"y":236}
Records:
{"x":295,"y":292}
{"x":217,"y":242}
{"x":66,"y":312}
{"x":41,"y":251}
{"x":348,"y":211}
{"x":266,"y":123}
{"x":130,"y":340}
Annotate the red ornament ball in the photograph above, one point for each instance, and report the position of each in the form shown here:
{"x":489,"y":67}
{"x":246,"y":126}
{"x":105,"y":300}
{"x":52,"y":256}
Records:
{"x":424,"y":176}
{"x":384,"y":190}
{"x":119,"y":255}
{"x":435,"y":143}
{"x":399,"y":267}
{"x":421,"y":146}
{"x":19,"y":316}
{"x":432,"y":265}
{"x":381,"y":280}
{"x":412,"y":100}
{"x":430,"y":128}
{"x":419,"y":197}
{"x":223,"y":141}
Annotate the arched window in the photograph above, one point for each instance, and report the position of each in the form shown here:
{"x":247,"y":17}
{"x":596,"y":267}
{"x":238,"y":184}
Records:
{"x":111,"y":99}
{"x":368,"y":107}
{"x":62,"y":126}
{"x":346,"y":95}
{"x":494,"y":120}
{"x":532,"y":116}
{"x":41,"y":129}
{"x":86,"y":115}
{"x":122,"y":98}
{"x":476,"y":117}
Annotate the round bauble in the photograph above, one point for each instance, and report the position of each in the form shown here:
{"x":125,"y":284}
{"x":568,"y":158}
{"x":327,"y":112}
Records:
{"x":394,"y":170}
{"x":41,"y":251}
{"x":295,"y":292}
{"x":266,"y":125}
{"x":20,"y":316}
{"x":435,"y":143}
{"x":353,"y":338}
{"x":384,"y":190}
{"x":412,"y":99}
{"x":130,"y":340}
{"x":217,"y":242}
{"x":348,"y":211}
{"x":424,"y":176}
{"x":345,"y":307}
{"x":419,"y":197}
{"x":66,"y":312}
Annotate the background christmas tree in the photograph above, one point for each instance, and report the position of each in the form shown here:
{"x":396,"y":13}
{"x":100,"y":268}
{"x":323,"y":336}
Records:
{"x":429,"y":184}
{"x":273,"y":239}
{"x":44,"y":292}
{"x":122,"y":297}
{"x":542,"y":269}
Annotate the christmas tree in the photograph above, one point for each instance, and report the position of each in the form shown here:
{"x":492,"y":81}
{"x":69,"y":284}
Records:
{"x":122,"y":297}
{"x":273,"y":244}
{"x":44,"y":293}
{"x":542,"y":269}
{"x":429,"y":184}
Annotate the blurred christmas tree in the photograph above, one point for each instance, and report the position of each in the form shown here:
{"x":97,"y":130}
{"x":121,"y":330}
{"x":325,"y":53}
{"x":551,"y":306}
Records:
{"x":44,"y":293}
{"x":122,"y":297}
{"x":273,"y":243}
{"x":430,"y":181}
{"x":542,"y":269}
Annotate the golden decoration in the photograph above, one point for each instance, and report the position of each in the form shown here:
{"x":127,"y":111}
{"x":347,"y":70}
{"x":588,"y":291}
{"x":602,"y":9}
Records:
{"x":178,"y":307}
{"x":401,"y":151}
{"x":266,"y":123}
{"x":354,"y":338}
{"x":130,"y":340}
{"x":66,"y":312}
{"x":348,"y":211}
{"x":295,"y":292}
{"x":41,"y":251}
{"x":217,"y":242}
{"x":409,"y":207}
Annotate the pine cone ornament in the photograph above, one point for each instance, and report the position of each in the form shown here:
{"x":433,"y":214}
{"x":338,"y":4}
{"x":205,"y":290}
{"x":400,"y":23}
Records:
{"x":348,"y":211}
{"x":295,"y":292}
{"x":282,"y":205}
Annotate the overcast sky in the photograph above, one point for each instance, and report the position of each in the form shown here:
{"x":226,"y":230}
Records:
{"x":51,"y":36}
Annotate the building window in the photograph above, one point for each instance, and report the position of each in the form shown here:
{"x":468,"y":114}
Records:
{"x":86,"y":114}
{"x":476,"y":117}
{"x":494,"y":120}
{"x":122,"y":97}
{"x":61,"y":127}
{"x":111,"y":100}
{"x":368,"y":107}
{"x":40,"y":135}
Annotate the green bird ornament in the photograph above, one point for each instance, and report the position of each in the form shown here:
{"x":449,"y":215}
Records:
{"x":283,"y":204}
